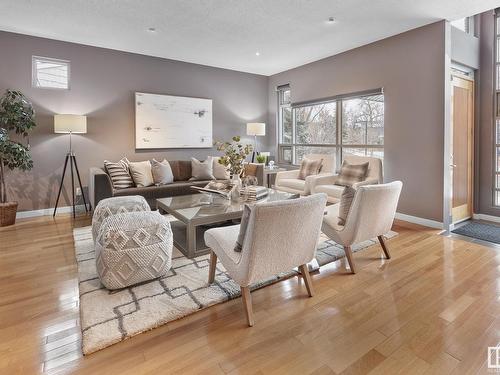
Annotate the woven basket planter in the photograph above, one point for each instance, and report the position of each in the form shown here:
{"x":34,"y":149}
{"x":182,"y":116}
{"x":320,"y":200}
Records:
{"x":8,"y":213}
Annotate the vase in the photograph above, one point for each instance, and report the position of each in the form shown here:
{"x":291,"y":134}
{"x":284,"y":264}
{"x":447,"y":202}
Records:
{"x":236,"y":190}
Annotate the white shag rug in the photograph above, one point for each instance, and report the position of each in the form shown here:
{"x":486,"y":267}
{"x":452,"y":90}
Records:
{"x":107,"y":317}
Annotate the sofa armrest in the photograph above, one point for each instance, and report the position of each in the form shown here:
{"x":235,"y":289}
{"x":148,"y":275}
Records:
{"x":319,"y":179}
{"x":368,"y":181}
{"x":286,"y":175}
{"x":100,"y":186}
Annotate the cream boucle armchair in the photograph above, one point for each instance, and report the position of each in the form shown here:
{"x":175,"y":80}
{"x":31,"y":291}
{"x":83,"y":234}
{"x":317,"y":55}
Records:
{"x":290,"y":182}
{"x":326,"y":184}
{"x":280,"y":236}
{"x":371,"y":215}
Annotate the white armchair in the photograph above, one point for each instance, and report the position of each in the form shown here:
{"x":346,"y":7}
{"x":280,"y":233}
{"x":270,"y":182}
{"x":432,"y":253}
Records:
{"x":326,"y":184}
{"x":371,"y":215}
{"x":280,"y":236}
{"x":290,"y":182}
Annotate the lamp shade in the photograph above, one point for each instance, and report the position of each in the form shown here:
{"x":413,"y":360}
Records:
{"x":256,"y":128}
{"x":70,"y":124}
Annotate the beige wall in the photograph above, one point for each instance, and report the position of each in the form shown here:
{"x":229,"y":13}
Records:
{"x":410,"y":69}
{"x":103,"y":83}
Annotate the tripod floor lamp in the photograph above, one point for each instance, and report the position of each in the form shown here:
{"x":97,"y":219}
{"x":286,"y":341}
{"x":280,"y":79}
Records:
{"x":69,"y":124}
{"x":256,"y":129}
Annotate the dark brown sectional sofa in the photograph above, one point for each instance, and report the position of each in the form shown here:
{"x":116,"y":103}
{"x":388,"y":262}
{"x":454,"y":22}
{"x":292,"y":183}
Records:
{"x":100,"y":186}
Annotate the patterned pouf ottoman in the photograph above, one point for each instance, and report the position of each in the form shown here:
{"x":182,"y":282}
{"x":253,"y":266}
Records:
{"x":116,"y":205}
{"x":133,"y":247}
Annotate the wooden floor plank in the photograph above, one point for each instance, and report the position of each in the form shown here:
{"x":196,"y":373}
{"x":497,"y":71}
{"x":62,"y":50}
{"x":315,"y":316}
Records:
{"x":431,"y":309}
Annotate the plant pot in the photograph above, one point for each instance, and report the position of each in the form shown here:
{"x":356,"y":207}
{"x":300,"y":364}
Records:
{"x":8,"y":213}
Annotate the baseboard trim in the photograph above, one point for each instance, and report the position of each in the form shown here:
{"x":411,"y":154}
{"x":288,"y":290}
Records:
{"x":419,"y":221}
{"x":495,"y":219}
{"x":48,"y":211}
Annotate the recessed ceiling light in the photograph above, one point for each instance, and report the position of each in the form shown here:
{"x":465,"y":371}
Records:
{"x":331,"y":20}
{"x":152,"y":30}
{"x":257,"y":53}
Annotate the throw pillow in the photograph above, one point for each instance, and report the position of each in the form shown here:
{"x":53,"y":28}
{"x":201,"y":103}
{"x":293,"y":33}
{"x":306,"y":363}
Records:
{"x":202,"y":170}
{"x":162,"y":172}
{"x":250,"y":169}
{"x":119,"y":174}
{"x":345,"y":203}
{"x":309,"y":168}
{"x":245,"y":218}
{"x":352,"y":173}
{"x":141,"y":173}
{"x":220,"y":171}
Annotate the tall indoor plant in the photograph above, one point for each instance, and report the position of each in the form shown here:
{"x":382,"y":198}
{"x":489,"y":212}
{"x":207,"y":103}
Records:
{"x":16,"y":121}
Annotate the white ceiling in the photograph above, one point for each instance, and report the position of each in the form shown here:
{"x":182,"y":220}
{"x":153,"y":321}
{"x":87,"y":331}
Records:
{"x":228,"y":33}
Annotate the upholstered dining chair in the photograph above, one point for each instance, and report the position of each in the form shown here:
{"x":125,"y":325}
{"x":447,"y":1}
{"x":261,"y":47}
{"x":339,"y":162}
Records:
{"x":371,"y":215}
{"x":280,"y":236}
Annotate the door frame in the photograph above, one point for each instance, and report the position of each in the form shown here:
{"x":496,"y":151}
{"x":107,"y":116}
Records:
{"x":470,"y":145}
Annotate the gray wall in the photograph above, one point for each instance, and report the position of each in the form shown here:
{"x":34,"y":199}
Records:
{"x":464,"y":48}
{"x":485,"y":130}
{"x":410,"y":68}
{"x":103,"y":83}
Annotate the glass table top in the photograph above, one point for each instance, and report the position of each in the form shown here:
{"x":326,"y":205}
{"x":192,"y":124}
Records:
{"x":203,"y":205}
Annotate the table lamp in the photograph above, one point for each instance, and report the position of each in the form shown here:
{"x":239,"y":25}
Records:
{"x":70,"y":124}
{"x":256,"y":129}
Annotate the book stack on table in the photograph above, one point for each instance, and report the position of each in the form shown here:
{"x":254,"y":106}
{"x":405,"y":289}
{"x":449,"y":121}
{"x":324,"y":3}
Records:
{"x":254,"y":193}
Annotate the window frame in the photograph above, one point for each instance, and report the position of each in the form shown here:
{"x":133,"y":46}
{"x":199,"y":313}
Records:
{"x":34,"y":72}
{"x":339,"y":146}
{"x":496,"y":112}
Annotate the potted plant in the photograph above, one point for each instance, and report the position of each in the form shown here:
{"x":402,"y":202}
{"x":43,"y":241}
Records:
{"x":16,"y":121}
{"x":235,"y":154}
{"x":261,"y":159}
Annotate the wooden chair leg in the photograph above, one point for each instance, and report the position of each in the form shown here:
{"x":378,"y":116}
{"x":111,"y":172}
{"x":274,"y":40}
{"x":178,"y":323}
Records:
{"x":381,"y":239}
{"x":212,"y":267}
{"x":348,"y":254}
{"x":247,"y":304}
{"x":304,"y":270}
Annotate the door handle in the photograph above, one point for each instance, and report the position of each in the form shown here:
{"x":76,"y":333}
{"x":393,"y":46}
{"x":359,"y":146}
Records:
{"x":453,"y":165}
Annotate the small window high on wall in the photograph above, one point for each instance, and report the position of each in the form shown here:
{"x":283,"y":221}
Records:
{"x":50,"y":73}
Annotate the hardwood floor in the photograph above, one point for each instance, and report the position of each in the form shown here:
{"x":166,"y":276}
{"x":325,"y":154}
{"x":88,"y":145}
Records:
{"x":433,"y":308}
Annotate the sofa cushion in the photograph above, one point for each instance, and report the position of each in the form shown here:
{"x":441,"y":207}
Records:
{"x":162,"y":172}
{"x":119,"y":174}
{"x":293,"y":183}
{"x":334,"y":191}
{"x":202,"y":170}
{"x":162,"y":191}
{"x":141,"y":173}
{"x":352,"y":173}
{"x":181,"y":169}
{"x":220,"y":171}
{"x":309,"y":167}
{"x":345,"y":203}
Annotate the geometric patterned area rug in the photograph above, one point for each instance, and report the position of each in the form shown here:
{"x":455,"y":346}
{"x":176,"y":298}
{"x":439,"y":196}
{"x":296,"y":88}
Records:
{"x":108,"y":317}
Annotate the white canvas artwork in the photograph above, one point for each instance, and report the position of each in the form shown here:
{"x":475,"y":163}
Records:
{"x":165,"y":121}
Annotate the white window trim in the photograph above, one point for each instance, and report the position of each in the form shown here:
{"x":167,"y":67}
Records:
{"x":34,"y":72}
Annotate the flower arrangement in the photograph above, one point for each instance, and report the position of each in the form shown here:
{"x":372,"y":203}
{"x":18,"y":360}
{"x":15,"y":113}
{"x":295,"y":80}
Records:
{"x":235,"y":154}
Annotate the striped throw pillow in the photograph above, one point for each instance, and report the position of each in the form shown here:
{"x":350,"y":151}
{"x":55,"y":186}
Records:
{"x":119,"y":173}
{"x":309,"y":168}
{"x":352,"y":173}
{"x":345,"y":203}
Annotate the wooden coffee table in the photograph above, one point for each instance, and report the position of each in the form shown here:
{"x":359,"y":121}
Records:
{"x":196,"y":213}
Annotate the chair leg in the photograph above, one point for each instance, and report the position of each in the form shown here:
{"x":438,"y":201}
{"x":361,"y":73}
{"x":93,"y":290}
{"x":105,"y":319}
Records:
{"x":304,"y":270}
{"x":381,"y":239}
{"x":348,"y":254}
{"x":247,"y":304}
{"x":212,"y":267}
